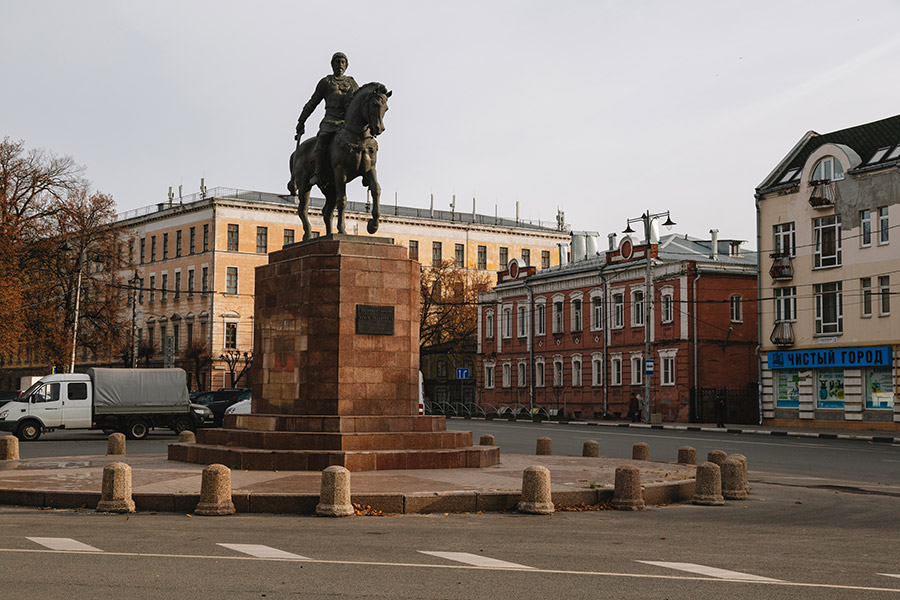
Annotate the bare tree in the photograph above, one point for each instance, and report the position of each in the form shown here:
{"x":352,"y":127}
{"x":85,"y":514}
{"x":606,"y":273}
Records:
{"x":197,"y":356}
{"x":449,"y":296}
{"x":233,"y":358}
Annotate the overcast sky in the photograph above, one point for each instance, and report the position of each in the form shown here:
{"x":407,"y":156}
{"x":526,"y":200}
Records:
{"x":603,"y":109}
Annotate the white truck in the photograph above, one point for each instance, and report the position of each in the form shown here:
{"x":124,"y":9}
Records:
{"x":132,"y":401}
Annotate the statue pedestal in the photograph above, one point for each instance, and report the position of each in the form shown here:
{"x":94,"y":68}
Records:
{"x":335,"y":373}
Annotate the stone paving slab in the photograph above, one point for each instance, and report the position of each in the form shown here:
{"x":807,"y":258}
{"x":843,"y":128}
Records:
{"x":160,"y":484}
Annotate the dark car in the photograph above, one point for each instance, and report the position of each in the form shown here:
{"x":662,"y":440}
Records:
{"x":7,"y":395}
{"x":217,"y":401}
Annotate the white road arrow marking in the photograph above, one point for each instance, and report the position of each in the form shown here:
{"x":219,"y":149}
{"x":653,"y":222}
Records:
{"x":708,"y":571}
{"x":476,"y":560}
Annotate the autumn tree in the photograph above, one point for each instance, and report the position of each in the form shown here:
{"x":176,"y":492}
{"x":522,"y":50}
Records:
{"x":449,"y":313}
{"x":197,"y":359}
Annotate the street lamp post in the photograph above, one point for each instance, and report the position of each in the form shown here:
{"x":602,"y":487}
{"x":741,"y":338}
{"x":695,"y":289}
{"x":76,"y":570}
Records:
{"x":647,"y":219}
{"x":80,"y":265}
{"x":134,"y":341}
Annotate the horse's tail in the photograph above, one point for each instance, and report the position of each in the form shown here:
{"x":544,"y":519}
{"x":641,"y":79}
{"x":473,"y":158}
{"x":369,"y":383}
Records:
{"x":290,"y":184}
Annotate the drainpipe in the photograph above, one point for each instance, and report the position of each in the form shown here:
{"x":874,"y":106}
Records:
{"x":605,"y":361}
{"x":530,"y":339}
{"x":696,"y":305}
{"x":759,"y":326}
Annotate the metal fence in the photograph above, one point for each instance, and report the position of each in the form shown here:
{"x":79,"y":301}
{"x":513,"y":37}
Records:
{"x":741,"y":404}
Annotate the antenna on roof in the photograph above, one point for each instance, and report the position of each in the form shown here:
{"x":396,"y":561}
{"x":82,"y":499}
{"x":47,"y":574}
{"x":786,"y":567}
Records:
{"x":203,"y":187}
{"x":473,"y":209}
{"x":180,"y":201}
{"x":171,"y":195}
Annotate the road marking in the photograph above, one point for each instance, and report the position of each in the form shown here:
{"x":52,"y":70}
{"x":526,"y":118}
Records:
{"x":889,"y":575}
{"x":260,"y":551}
{"x":708,"y":571}
{"x":476,"y":560}
{"x":66,"y":544}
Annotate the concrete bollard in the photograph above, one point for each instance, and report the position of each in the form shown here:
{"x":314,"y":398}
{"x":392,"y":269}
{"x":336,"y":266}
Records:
{"x":716,"y":457}
{"x":115,"y":494}
{"x":640,"y":451}
{"x":215,"y":492}
{"x":591,"y":448}
{"x":536,"y":498}
{"x":627,"y":495}
{"x":487,"y":440}
{"x":708,"y":488}
{"x":9,"y":447}
{"x":687,"y":455}
{"x":544,"y":446}
{"x":334,"y":497}
{"x":733,"y":480}
{"x":187,"y":437}
{"x":745,"y":474}
{"x":115,"y":444}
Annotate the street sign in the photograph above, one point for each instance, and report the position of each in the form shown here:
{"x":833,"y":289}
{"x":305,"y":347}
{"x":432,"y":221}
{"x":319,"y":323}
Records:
{"x":462,"y":373}
{"x":648,"y":367}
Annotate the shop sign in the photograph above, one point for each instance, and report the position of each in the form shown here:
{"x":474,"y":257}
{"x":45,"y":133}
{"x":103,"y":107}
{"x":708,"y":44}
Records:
{"x":872,"y":356}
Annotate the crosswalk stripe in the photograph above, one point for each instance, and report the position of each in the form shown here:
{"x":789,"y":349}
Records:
{"x":476,"y":560}
{"x":709,"y":571}
{"x":890,"y":575}
{"x":63,"y":544}
{"x":260,"y":551}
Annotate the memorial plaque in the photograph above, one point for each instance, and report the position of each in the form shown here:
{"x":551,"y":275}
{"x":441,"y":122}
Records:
{"x":374,"y":320}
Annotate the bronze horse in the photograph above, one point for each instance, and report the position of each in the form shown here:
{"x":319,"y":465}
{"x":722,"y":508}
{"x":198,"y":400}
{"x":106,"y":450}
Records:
{"x":352,"y":153}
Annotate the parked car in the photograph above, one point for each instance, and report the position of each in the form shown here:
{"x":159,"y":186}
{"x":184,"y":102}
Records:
{"x":239,"y":408}
{"x":219,"y":400}
{"x":8,"y":395}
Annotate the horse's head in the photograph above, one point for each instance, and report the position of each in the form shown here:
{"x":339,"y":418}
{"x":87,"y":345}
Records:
{"x":375,"y":107}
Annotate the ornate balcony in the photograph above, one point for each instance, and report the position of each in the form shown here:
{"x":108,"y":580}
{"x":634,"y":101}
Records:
{"x":782,"y":334}
{"x":824,"y":193}
{"x":782,"y":266}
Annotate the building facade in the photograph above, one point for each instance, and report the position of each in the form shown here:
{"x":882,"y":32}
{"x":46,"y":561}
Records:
{"x":195,"y":262}
{"x":571,"y":339}
{"x":829,"y":275}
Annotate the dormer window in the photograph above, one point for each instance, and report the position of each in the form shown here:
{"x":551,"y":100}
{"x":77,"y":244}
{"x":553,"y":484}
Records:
{"x":828,"y":169}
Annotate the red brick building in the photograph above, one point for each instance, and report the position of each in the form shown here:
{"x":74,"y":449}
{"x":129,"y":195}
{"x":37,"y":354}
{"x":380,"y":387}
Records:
{"x":571,"y":338}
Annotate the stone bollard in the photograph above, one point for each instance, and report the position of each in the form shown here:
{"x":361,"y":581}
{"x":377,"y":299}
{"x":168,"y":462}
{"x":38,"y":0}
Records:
{"x":687,"y":455}
{"x":544,"y":446}
{"x":640,"y":451}
{"x":215,"y":492}
{"x":536,"y":499}
{"x":9,"y":447}
{"x":187,"y":437}
{"x":487,"y":440}
{"x":627,"y":495}
{"x":708,"y":488}
{"x":745,"y":474}
{"x":334,"y":497}
{"x":733,"y":480}
{"x":115,"y":494}
{"x":116,"y":444}
{"x":716,"y":457}
{"x":591,"y":448}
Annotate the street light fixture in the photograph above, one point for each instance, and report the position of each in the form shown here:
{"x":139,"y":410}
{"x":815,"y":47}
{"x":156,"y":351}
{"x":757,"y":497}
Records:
{"x":647,"y":219}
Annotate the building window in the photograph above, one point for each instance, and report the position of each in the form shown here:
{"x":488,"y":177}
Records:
{"x":865,"y":285}
{"x":557,"y":371}
{"x":615,"y":370}
{"x":828,"y":169}
{"x":152,"y":248}
{"x":459,"y":255}
{"x":884,"y":227}
{"x":668,"y":370}
{"x":545,"y":259}
{"x":507,"y":375}
{"x":506,"y":324}
{"x":178,"y":243}
{"x":192,"y":242}
{"x":177,"y":284}
{"x":785,"y":239}
{"x":262,"y":240}
{"x":522,"y":321}
{"x":865,"y":228}
{"x":637,"y":369}
{"x":576,"y":371}
{"x":637,"y":308}
{"x":597,"y":369}
{"x":143,"y":248}
{"x":206,"y":237}
{"x":577,"y":321}
{"x":489,"y":324}
{"x":618,"y":300}
{"x":231,"y":280}
{"x":830,"y":388}
{"x":668,"y":306}
{"x":829,"y":308}
{"x":288,"y":237}
{"x":482,"y":257}
{"x":231,"y":335}
{"x":164,"y":285}
{"x":436,"y":254}
{"x":233,"y":235}
{"x":504,"y":257}
{"x":152,"y":288}
{"x":558,"y":317}
{"x":190,"y":286}
{"x":176,"y":334}
{"x":522,"y":378}
{"x":540,"y":318}
{"x":414,"y":249}
{"x":204,"y":279}
{"x":150,"y":333}
{"x":879,"y":388}
{"x":189,"y":332}
{"x":488,"y":375}
{"x":737,"y":310}
{"x":165,"y":246}
{"x":526,"y":256}
{"x":539,"y":379}
{"x":884,"y":288}
{"x":827,"y":233}
{"x":596,"y":313}
{"x":785,"y":304}
{"x":141,"y":290}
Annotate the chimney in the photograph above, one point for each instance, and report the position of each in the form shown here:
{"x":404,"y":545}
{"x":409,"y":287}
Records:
{"x":590,"y":245}
{"x":563,"y":253}
{"x":612,"y":241}
{"x":715,"y":244}
{"x":577,"y":246}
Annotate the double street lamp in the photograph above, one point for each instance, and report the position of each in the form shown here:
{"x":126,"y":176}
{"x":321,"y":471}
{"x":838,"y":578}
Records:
{"x":647,"y":219}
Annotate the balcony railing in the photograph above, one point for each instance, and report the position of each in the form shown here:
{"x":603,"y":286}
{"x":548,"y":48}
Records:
{"x":782,"y":334}
{"x":824,"y":193}
{"x":782,"y":266}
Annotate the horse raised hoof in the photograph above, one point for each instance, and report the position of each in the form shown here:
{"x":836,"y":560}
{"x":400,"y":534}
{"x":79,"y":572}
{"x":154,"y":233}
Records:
{"x":372,"y":227}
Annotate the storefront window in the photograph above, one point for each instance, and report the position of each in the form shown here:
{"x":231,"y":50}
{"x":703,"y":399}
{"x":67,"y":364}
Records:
{"x":787,"y":389}
{"x":830,"y":388}
{"x":879,"y":388}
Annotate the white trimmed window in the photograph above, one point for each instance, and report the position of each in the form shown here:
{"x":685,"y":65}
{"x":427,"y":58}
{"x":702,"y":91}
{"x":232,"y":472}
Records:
{"x":615,"y":369}
{"x":637,"y":308}
{"x":540,"y":316}
{"x":596,"y":312}
{"x":488,"y":375}
{"x":827,"y":235}
{"x":884,"y":289}
{"x":489,"y":323}
{"x":828,"y":169}
{"x":865,"y":286}
{"x":737,"y":308}
{"x":884,"y":226}
{"x":522,"y":320}
{"x":786,"y":304}
{"x":667,"y":366}
{"x":522,"y":372}
{"x":576,"y":370}
{"x":507,"y":374}
{"x":829,"y":308}
{"x":506,"y":324}
{"x":557,"y":371}
{"x":557,"y":314}
{"x":618,"y":312}
{"x":576,"y":309}
{"x":668,"y":304}
{"x":596,"y":368}
{"x":865,"y":228}
{"x":637,"y":368}
{"x":539,"y":378}
{"x":785,"y":238}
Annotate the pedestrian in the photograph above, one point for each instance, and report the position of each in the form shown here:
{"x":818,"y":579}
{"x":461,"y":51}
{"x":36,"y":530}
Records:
{"x":634,"y":408}
{"x":720,"y":410}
